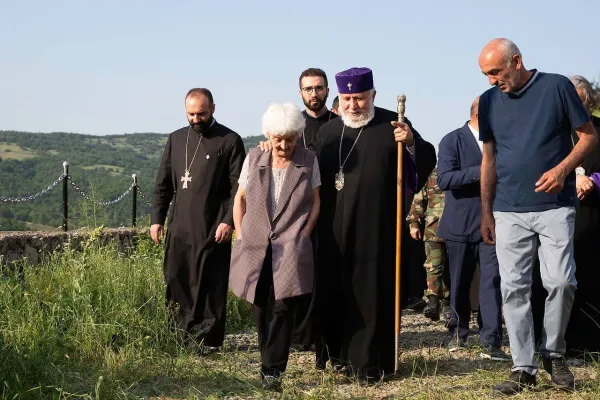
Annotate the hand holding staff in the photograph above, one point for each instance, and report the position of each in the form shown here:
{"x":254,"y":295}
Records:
{"x":402,"y":133}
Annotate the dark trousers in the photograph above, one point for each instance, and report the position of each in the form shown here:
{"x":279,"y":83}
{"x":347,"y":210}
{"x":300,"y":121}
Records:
{"x":413,"y":279}
{"x":274,"y":321}
{"x":463,"y":259}
{"x":306,"y":326}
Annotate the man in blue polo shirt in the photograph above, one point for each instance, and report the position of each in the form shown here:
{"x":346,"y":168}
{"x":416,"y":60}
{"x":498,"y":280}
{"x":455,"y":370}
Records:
{"x":528,"y":200}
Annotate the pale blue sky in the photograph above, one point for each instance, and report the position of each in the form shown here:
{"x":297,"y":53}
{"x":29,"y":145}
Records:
{"x":111,"y":67}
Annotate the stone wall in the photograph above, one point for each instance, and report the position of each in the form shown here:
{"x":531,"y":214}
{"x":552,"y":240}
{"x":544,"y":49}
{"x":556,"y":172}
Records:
{"x":34,"y":245}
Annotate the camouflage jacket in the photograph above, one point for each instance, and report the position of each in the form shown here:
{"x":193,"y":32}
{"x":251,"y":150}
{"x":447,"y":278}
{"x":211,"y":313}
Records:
{"x":428,"y":204}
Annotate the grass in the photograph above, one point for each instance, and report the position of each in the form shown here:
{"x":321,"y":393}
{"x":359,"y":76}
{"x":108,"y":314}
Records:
{"x":121,"y":143}
{"x":39,"y":227}
{"x":11,"y":151}
{"x":91,"y":324}
{"x":103,"y":166}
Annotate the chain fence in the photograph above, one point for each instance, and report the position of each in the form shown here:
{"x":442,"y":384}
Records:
{"x":67,"y":180}
{"x":99,"y":203}
{"x":33,"y":196}
{"x":143,"y":195}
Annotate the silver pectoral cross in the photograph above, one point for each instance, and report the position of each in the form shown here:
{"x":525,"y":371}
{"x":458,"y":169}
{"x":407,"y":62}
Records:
{"x":186,"y":178}
{"x":339,"y":180}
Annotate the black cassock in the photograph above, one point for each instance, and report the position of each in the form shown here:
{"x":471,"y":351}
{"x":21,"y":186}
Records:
{"x":356,"y":239}
{"x":313,"y":125}
{"x":305,"y":330}
{"x":583,"y":331}
{"x":196,"y":267}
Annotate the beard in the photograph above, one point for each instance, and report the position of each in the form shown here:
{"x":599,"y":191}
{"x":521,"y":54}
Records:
{"x":201,"y":126}
{"x":316,"y":105}
{"x":358,"y":121}
{"x":510,"y":85}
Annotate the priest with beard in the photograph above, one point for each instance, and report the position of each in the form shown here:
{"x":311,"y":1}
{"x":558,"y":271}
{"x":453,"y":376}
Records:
{"x":314,"y":90}
{"x":358,"y":155}
{"x":201,"y":164}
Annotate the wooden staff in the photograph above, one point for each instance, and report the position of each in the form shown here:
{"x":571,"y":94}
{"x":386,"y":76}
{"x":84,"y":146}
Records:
{"x":400,"y":183}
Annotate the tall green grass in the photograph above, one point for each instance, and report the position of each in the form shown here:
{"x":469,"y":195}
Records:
{"x":92,"y":323}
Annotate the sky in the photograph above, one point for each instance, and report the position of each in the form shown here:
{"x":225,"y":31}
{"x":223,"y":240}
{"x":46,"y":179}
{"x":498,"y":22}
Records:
{"x":113,"y":67}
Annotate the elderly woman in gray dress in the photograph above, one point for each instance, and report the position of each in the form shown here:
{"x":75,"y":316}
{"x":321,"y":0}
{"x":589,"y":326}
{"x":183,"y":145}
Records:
{"x":275,"y":210}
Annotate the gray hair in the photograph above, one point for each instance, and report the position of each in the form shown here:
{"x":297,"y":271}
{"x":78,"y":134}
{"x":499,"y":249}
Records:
{"x":591,"y":97}
{"x":283,"y":120}
{"x":508,"y":49}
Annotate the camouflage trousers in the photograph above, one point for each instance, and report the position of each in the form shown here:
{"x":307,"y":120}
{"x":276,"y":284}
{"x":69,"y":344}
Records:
{"x":435,"y":264}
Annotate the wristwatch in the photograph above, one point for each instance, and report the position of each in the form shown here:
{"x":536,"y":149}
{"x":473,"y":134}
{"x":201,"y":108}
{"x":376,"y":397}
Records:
{"x":579,"y":171}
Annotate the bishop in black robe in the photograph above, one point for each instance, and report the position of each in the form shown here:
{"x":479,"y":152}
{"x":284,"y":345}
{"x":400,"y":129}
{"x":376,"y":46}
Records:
{"x":196,"y":267}
{"x":356,"y":235}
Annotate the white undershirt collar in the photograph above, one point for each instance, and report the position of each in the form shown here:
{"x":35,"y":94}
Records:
{"x":476,"y":135}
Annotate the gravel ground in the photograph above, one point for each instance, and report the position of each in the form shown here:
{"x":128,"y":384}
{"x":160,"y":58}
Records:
{"x":428,"y":371}
{"x":417,"y":332}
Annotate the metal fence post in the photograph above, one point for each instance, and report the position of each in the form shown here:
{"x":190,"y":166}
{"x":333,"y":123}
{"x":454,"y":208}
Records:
{"x":134,"y":206}
{"x":65,"y":195}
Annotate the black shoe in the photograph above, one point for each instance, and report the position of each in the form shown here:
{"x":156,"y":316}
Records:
{"x":432,"y":309}
{"x":415,"y":304}
{"x":561,"y":376}
{"x":445,"y":309}
{"x":271,"y":382}
{"x":369,"y":376}
{"x":456,"y":343}
{"x":517,"y":381}
{"x":493,"y":353}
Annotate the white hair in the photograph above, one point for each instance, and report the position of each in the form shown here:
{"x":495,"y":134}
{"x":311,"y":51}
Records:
{"x":363,"y":119}
{"x":591,"y":97}
{"x":283,"y":120}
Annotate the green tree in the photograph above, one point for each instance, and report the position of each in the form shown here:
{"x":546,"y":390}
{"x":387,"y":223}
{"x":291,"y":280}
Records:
{"x":137,"y":153}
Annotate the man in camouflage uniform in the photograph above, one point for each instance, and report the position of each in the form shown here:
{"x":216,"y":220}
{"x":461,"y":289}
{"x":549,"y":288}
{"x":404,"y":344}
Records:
{"x":428,"y":205}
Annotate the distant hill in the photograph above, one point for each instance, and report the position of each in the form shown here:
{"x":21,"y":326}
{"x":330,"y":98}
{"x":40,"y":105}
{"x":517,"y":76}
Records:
{"x":101,"y":165}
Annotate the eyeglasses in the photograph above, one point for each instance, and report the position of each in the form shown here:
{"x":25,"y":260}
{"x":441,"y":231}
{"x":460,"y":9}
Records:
{"x":309,"y":89}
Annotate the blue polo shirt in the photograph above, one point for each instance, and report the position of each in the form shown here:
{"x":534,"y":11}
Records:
{"x":532,"y":130}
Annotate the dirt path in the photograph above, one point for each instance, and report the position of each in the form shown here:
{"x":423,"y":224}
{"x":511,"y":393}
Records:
{"x":428,"y":371}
